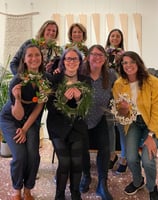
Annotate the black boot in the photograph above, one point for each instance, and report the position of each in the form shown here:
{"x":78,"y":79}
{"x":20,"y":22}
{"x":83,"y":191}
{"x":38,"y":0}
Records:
{"x":154,"y":194}
{"x":102,"y":191}
{"x":60,"y":195}
{"x":85,"y":182}
{"x":75,"y":195}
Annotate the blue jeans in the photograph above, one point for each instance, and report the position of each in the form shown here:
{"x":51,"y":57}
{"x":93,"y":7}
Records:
{"x":122,"y":140}
{"x":26,"y":158}
{"x":135,"y":138}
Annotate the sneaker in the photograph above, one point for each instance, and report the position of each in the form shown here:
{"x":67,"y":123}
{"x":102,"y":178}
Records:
{"x":85,"y":182}
{"x":131,"y":189}
{"x":121,"y":169}
{"x":154,"y":194}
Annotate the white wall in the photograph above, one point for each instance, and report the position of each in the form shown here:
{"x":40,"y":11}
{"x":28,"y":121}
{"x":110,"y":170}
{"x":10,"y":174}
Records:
{"x":147,"y":8}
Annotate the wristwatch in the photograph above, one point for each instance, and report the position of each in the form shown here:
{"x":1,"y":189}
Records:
{"x":151,"y":134}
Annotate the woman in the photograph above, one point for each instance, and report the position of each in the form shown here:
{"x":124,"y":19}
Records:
{"x":114,"y":48}
{"x":65,"y":121}
{"x":77,"y":36}
{"x":102,"y":80}
{"x":20,"y":121}
{"x":46,"y":39}
{"x":141,"y":89}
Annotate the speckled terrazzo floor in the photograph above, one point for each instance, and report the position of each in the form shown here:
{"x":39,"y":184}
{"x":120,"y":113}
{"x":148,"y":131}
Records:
{"x":45,"y":187}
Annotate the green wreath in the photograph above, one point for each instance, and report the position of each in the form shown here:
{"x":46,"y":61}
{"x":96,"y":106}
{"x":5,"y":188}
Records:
{"x":82,"y":105}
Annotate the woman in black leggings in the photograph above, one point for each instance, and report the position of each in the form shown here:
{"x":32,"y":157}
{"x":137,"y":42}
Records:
{"x":65,"y":122}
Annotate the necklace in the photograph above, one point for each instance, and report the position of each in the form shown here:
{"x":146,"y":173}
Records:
{"x":71,"y":79}
{"x":71,"y":76}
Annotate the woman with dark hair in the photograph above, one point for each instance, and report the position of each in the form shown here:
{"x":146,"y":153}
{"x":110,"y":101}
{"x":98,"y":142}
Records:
{"x":140,"y":89}
{"x":67,"y":107}
{"x":20,"y":121}
{"x":102,"y":79}
{"x":46,"y":39}
{"x":114,"y":48}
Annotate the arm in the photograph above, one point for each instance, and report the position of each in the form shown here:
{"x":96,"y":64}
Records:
{"x":17,"y":109}
{"x":21,"y":132}
{"x":14,"y":64}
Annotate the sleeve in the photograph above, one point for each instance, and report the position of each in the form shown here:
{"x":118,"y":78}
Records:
{"x":14,"y":64}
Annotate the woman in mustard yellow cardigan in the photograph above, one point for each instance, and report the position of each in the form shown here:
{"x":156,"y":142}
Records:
{"x":136,"y":89}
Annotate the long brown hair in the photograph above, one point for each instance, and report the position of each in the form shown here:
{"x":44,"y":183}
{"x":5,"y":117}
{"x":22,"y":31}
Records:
{"x":121,"y":45}
{"x":142,"y":73}
{"x":104,"y":71}
{"x":23,"y":67}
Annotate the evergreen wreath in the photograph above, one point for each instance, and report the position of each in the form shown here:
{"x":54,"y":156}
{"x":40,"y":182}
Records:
{"x":83,"y":104}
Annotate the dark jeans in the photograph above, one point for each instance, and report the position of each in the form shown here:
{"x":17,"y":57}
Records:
{"x":98,"y":138}
{"x":26,"y":158}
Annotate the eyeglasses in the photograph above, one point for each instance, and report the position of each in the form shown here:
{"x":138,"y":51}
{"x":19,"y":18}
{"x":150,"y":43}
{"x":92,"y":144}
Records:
{"x":129,"y":63}
{"x":69,"y":59}
{"x":97,"y":55}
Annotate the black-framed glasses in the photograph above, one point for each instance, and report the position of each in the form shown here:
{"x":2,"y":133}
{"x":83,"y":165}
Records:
{"x":97,"y":55}
{"x":70,"y":59}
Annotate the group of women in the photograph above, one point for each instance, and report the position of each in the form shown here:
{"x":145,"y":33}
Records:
{"x":76,"y":96}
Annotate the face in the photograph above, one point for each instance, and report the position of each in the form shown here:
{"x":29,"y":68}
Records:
{"x":96,"y":58}
{"x":130,"y":67}
{"x":71,"y":63}
{"x":115,"y":39}
{"x":50,"y":32}
{"x":77,"y":35}
{"x":33,"y":59}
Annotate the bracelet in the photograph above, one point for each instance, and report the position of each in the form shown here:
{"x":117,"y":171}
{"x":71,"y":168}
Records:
{"x":151,"y":134}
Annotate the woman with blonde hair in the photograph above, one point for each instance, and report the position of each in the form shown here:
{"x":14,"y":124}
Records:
{"x":46,"y":39}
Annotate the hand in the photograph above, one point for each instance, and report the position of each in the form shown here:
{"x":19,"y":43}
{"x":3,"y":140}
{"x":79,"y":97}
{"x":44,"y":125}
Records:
{"x":56,"y":71}
{"x":69,"y":94}
{"x":151,"y":146}
{"x":16,"y":91}
{"x":20,"y":136}
{"x":48,"y":66}
{"x":123,"y":108}
{"x":76,"y":94}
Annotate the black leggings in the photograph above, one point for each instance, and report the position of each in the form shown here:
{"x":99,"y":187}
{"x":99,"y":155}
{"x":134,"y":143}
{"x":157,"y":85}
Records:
{"x":69,"y":156}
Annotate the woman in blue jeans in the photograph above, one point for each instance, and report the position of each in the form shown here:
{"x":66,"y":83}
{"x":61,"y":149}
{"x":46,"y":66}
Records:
{"x":20,"y":121}
{"x":114,"y":48}
{"x":141,"y":89}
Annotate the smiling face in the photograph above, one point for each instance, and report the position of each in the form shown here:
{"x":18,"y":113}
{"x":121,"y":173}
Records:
{"x":71,"y":63}
{"x":33,"y":59}
{"x":50,"y":32}
{"x":77,"y":34}
{"x":130,"y":67}
{"x":115,"y":39}
{"x":96,"y":58}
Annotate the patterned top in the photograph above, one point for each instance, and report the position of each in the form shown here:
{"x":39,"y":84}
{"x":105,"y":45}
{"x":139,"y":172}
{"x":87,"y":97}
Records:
{"x":100,"y":100}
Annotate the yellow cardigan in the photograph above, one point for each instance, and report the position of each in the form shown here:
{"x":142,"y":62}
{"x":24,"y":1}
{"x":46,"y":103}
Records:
{"x":147,"y":100}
